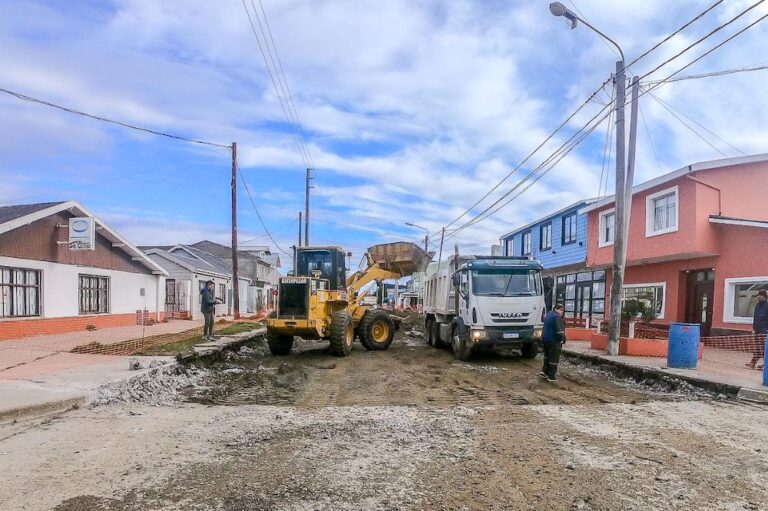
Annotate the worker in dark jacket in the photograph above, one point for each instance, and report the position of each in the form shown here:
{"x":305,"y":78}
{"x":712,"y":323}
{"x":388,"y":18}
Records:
{"x":207,"y":306}
{"x":759,"y":326}
{"x":552,"y":340}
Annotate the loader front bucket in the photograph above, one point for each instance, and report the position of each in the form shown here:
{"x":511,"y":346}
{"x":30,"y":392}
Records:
{"x":402,"y":257}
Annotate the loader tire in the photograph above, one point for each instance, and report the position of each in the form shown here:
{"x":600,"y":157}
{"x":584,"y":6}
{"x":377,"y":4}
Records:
{"x":279,"y":345}
{"x":377,"y":329}
{"x":529,"y":350}
{"x":462,"y":347}
{"x":342,"y":334}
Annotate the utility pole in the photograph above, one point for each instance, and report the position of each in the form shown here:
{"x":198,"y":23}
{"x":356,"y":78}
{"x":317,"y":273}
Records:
{"x":619,"y":241}
{"x":235,"y":280}
{"x":631,"y":157}
{"x":455,"y":268}
{"x":440,"y":257}
{"x":306,"y":208}
{"x":623,"y":194}
{"x":299,"y":229}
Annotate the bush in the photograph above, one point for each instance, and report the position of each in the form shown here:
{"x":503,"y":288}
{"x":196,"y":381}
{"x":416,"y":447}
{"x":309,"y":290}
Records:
{"x":635,"y":309}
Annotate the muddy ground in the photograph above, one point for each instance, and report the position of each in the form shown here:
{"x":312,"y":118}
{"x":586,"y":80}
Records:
{"x":408,"y":428}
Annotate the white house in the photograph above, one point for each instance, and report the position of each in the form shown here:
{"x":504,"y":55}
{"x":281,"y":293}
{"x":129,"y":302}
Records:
{"x":188,"y":270}
{"x":62,"y":270}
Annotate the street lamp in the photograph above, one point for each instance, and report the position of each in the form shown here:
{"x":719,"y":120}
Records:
{"x":623,"y":184}
{"x":426,"y":238}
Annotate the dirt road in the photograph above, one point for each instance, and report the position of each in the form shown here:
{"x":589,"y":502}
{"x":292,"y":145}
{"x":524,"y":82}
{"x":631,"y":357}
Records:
{"x":409,"y":428}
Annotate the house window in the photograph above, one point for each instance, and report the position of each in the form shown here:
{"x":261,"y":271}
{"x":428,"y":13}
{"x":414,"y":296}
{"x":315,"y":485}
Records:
{"x":651,"y":295}
{"x":94,"y":294}
{"x":510,"y":247}
{"x":545,"y":231}
{"x":569,"y":229}
{"x":527,"y":243}
{"x":19,"y":292}
{"x":223,"y":292}
{"x":607,"y":227}
{"x":740,"y":298}
{"x":661,"y":212}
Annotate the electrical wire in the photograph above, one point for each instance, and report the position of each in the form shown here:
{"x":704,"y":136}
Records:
{"x":699,"y":135}
{"x":299,"y":144}
{"x":24,"y":97}
{"x":710,"y":34}
{"x":530,"y":155}
{"x":672,"y":107}
{"x":253,"y":203}
{"x":673,"y":34}
{"x":650,"y":139}
{"x":724,"y":72}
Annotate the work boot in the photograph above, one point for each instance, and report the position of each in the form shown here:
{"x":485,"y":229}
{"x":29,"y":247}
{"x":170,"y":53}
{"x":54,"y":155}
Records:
{"x":552,"y":378}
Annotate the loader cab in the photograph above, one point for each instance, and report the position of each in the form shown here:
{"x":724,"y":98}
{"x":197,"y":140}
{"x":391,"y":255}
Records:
{"x":330,"y":262}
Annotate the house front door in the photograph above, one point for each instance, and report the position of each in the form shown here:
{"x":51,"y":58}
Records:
{"x":583,"y":300}
{"x":698,"y":309}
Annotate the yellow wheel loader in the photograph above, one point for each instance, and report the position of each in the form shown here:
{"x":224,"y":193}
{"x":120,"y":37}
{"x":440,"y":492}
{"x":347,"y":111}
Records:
{"x":320,"y":302}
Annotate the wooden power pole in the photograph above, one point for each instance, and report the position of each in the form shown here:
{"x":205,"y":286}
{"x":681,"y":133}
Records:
{"x":235,"y":280}
{"x":306,"y":208}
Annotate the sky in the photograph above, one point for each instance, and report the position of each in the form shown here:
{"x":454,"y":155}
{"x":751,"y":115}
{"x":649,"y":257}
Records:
{"x":411,"y":111}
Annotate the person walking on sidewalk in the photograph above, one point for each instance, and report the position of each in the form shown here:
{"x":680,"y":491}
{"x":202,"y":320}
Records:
{"x":759,"y":326}
{"x":207,"y":306}
{"x":552,"y":340}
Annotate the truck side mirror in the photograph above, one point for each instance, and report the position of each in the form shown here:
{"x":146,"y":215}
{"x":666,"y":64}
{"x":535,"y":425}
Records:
{"x":456,"y":279}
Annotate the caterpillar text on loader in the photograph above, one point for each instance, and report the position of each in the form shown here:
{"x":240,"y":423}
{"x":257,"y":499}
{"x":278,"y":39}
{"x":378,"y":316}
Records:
{"x":320,"y":302}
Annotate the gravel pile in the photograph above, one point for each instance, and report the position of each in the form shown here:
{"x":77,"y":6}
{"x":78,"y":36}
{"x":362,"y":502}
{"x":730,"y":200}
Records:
{"x":160,"y":386}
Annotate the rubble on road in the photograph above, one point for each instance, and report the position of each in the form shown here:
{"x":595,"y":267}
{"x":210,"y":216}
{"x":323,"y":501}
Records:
{"x":160,"y":386}
{"x":482,"y":369}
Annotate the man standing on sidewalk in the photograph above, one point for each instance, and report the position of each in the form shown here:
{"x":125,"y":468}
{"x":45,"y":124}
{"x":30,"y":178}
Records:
{"x":207,"y":307}
{"x":552,"y":340}
{"x":759,"y":326}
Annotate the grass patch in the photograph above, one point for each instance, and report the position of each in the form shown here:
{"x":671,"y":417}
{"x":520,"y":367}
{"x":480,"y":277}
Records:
{"x":238,"y":328}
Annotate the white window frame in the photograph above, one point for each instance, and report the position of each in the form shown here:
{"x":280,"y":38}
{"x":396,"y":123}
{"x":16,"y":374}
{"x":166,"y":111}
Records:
{"x":650,"y":212}
{"x":601,"y":227}
{"x":729,"y":296}
{"x":530,"y":243}
{"x":663,"y":286}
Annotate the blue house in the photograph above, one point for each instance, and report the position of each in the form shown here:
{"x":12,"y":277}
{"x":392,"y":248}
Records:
{"x":559,"y":241}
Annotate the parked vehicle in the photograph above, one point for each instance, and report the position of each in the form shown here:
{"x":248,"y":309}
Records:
{"x":484,"y":301}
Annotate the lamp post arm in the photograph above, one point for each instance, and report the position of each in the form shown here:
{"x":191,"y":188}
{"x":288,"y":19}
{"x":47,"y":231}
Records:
{"x":603,"y":36}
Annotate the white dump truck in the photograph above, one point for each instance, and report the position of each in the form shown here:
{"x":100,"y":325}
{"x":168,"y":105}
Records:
{"x":484,"y":301}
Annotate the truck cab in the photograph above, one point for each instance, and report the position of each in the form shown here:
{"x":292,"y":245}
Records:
{"x":492,"y":302}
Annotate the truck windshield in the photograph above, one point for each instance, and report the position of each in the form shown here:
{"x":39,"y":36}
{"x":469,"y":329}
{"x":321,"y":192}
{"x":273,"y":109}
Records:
{"x":506,"y":282}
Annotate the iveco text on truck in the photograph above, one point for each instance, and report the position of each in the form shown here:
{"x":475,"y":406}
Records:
{"x":479,"y":301}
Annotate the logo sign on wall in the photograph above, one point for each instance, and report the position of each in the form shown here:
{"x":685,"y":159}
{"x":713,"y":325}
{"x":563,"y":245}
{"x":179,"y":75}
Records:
{"x":82,"y":233}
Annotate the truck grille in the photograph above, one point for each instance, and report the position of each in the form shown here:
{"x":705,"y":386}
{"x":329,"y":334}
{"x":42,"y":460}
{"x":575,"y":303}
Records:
{"x":513,"y":317}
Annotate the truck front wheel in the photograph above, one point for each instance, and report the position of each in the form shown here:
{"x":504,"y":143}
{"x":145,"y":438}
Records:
{"x":462,"y":348}
{"x":529,"y":350}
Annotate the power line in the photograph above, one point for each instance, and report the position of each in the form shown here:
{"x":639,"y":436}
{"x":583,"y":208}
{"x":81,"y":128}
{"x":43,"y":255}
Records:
{"x":673,"y":34}
{"x":724,"y":72}
{"x":699,"y":135}
{"x":253,"y":203}
{"x":530,"y":155}
{"x":710,"y":34}
{"x":24,"y":97}
{"x":287,"y":88}
{"x":277,"y":86}
{"x":668,"y":79}
{"x":650,"y":139}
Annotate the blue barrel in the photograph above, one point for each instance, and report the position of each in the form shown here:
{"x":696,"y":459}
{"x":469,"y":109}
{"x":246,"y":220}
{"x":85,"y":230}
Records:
{"x":765,"y":366}
{"x":683,"y":350}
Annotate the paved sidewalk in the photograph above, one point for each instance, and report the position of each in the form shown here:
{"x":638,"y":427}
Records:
{"x":707,"y":370}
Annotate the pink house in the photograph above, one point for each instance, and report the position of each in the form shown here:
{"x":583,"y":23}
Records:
{"x":698,"y":243}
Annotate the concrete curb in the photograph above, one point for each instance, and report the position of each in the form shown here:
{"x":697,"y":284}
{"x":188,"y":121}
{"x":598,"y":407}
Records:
{"x":644,"y":372}
{"x":50,"y":407}
{"x":215,"y":349}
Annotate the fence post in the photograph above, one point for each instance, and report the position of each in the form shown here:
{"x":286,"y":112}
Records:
{"x":631,"y":329}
